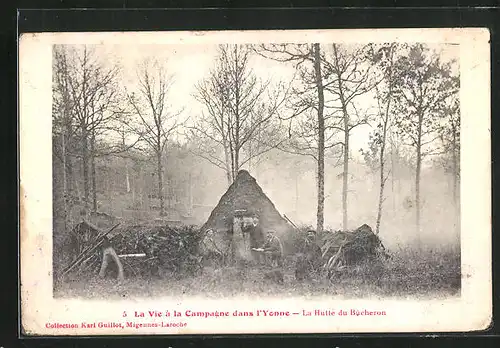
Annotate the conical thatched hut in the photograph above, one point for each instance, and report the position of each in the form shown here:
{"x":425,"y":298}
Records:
{"x":243,"y":198}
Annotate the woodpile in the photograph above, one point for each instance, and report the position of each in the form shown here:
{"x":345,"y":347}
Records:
{"x":143,"y":250}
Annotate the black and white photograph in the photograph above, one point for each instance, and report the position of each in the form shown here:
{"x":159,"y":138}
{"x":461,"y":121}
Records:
{"x":286,"y":170}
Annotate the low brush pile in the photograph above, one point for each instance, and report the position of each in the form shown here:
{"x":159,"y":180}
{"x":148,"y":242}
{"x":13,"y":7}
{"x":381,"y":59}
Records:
{"x":164,"y":249}
{"x":343,"y":249}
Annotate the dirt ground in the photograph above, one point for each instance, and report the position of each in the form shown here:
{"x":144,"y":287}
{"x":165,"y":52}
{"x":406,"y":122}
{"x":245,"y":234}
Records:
{"x":407,"y":274}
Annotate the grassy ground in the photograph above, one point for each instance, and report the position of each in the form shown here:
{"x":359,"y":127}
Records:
{"x":408,"y":274}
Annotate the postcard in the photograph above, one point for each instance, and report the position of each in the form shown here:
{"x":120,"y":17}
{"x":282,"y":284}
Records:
{"x":254,"y":182}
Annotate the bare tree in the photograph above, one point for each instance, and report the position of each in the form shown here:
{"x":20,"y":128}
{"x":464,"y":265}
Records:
{"x":383,"y":58}
{"x":424,"y":85}
{"x":63,"y":125}
{"x":88,"y":95}
{"x":310,"y":130}
{"x":156,"y":122}
{"x":349,"y":76}
{"x":239,"y":119}
{"x":449,"y":134}
{"x":321,"y":135}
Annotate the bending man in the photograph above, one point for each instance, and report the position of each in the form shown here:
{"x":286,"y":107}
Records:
{"x":273,"y":249}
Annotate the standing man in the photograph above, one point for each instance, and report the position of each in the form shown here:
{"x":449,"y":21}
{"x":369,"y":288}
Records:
{"x":256,"y":235}
{"x":309,"y":259}
{"x":312,"y":251}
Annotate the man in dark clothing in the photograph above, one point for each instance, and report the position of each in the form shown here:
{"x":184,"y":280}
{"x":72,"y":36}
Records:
{"x":312,"y":249}
{"x":256,"y":238}
{"x":310,"y":258}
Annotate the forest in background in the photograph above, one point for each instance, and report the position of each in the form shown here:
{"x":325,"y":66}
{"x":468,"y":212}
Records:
{"x":123,"y":146}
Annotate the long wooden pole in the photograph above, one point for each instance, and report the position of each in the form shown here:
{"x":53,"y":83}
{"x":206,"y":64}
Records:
{"x":88,"y":251}
{"x":290,"y":221}
{"x":92,"y":243}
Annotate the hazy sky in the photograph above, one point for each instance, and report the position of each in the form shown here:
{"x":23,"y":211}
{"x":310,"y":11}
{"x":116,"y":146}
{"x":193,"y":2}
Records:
{"x":191,"y":63}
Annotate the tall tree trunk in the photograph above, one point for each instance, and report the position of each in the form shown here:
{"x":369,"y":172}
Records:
{"x":143,"y":189}
{"x":455,"y":170}
{"x":346,"y":130}
{"x":94,"y":183}
{"x":382,"y":181}
{"x":70,"y":181}
{"x":70,"y":194}
{"x":149,"y":190}
{"x":65,"y":192}
{"x":321,"y":139}
{"x":250,"y":149}
{"x":68,"y":161}
{"x":68,"y":170}
{"x":236,"y":166}
{"x":393,"y":173}
{"x":77,"y":187}
{"x":237,"y":100}
{"x":382,"y":157}
{"x":346,"y":171}
{"x":133,"y":188}
{"x":127,"y":177}
{"x":456,"y":199}
{"x":231,"y":152}
{"x":85,"y":164}
{"x":296,"y":195}
{"x":227,"y":156}
{"x":236,"y":163}
{"x":108,"y":194}
{"x":190,"y":194}
{"x":160,"y":183}
{"x":417,"y":177}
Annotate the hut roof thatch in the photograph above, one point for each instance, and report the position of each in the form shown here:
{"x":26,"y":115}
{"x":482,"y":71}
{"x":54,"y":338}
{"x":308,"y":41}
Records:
{"x":245,"y":195}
